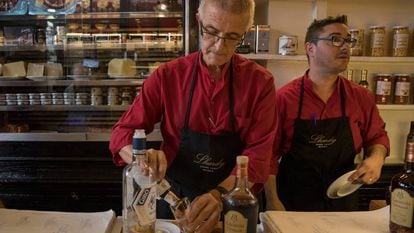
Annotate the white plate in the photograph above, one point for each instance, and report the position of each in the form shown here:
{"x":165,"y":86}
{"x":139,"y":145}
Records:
{"x":166,"y":227}
{"x":44,"y":78}
{"x":342,"y":187}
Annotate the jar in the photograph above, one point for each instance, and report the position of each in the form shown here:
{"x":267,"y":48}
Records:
{"x":357,"y":34}
{"x":377,"y":41}
{"x":288,"y":45}
{"x":400,"y":41}
{"x":402,"y":88}
{"x":383,"y":87}
{"x":40,"y":36}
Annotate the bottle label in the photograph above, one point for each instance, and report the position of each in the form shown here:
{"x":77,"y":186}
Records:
{"x":383,"y":88}
{"x":145,"y":204}
{"x":235,"y":222}
{"x":402,"y":205}
{"x":402,"y":89}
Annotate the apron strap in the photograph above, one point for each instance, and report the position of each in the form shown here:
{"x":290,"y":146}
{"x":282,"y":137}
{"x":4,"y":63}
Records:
{"x":190,"y":98}
{"x":232,"y":118}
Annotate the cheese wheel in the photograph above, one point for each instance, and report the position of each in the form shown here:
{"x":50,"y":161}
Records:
{"x":119,"y":67}
{"x":35,"y":69}
{"x":14,"y":69}
{"x":54,"y":69}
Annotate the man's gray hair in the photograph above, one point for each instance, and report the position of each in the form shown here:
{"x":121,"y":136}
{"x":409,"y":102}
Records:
{"x":234,"y":6}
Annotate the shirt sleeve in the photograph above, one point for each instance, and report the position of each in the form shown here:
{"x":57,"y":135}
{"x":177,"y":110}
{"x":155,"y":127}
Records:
{"x":261,"y":133}
{"x":373,"y":128}
{"x":144,"y":112}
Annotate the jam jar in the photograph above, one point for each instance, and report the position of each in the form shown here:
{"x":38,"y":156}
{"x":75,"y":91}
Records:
{"x":402,"y":88}
{"x":400,"y":37}
{"x":357,"y":34}
{"x":383,"y":88}
{"x":377,"y":41}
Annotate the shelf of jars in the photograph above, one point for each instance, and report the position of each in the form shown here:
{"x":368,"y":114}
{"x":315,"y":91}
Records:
{"x":173,"y":52}
{"x":93,"y":16}
{"x":304,"y":58}
{"x":58,"y":108}
{"x":86,"y":82}
{"x":397,"y":107}
{"x":53,"y":136}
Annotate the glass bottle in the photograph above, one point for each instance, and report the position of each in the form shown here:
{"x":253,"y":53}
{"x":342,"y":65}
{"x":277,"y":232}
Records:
{"x":139,"y":190}
{"x":178,"y":206}
{"x":240,"y":206}
{"x":402,"y":191}
{"x":364,"y":78}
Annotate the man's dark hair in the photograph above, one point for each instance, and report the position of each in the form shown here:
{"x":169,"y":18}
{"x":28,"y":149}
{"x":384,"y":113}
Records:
{"x":317,"y":26}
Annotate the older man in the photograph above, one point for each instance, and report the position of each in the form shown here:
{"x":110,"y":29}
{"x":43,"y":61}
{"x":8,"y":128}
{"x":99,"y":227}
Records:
{"x":213,"y":105}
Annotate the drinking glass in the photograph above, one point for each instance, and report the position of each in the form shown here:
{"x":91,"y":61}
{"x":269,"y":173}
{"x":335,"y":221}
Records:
{"x":180,"y":211}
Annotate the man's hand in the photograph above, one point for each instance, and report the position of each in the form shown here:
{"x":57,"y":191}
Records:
{"x":204,"y":213}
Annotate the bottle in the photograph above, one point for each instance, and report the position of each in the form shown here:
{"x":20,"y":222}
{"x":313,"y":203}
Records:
{"x":364,"y":79}
{"x":240,"y":206}
{"x":178,"y":206}
{"x":139,"y":190}
{"x":402,"y":191}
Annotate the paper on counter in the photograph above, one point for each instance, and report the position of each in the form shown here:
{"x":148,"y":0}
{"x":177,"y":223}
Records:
{"x":24,"y":221}
{"x":375,"y":221}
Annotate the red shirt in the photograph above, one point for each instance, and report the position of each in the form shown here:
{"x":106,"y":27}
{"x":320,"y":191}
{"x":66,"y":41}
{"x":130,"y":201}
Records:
{"x":164,"y":97}
{"x":364,"y":119}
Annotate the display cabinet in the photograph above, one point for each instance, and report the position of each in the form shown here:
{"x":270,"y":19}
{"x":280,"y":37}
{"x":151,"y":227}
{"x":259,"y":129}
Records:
{"x":67,"y":74}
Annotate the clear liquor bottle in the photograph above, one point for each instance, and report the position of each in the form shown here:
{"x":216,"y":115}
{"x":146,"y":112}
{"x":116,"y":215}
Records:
{"x":364,"y":78}
{"x":240,"y":206}
{"x":139,"y":190}
{"x":402,"y":191}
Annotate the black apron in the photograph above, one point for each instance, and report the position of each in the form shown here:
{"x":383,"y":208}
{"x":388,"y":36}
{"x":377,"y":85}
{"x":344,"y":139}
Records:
{"x":203,"y":161}
{"x":321,"y":151}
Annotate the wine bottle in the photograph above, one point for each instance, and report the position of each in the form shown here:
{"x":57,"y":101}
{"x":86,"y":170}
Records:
{"x":402,"y":191}
{"x":139,"y":190}
{"x":240,"y":206}
{"x":364,"y":79}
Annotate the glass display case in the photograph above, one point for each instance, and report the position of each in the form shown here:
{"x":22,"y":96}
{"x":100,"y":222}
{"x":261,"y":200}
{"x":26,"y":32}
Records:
{"x":70,"y":77}
{"x":68,"y":70}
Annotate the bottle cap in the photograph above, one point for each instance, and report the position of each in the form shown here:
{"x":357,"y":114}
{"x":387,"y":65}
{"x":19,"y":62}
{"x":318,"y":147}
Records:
{"x":242,"y":159}
{"x":139,"y":133}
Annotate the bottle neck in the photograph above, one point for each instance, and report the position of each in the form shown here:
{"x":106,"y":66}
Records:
{"x":242,"y":181}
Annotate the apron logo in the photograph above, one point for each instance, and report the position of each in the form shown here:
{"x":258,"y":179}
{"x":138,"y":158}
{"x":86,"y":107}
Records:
{"x":320,"y":141}
{"x":207,"y":163}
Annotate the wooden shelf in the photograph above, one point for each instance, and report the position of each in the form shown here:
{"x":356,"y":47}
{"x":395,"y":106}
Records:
{"x":353,"y":58}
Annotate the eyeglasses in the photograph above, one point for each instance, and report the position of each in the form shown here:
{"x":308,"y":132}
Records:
{"x":338,"y":41}
{"x":230,"y":41}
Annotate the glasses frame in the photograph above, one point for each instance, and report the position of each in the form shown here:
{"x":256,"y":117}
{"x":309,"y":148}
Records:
{"x":204,"y":30}
{"x":338,"y":41}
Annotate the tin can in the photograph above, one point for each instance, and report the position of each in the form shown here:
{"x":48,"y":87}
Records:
{"x":357,"y":34}
{"x":40,"y":36}
{"x":288,"y":45}
{"x":383,"y":87}
{"x":402,"y":88}
{"x":400,"y":37}
{"x":377,"y":41}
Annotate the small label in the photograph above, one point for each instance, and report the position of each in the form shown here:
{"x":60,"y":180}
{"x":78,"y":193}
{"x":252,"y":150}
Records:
{"x":235,"y":222}
{"x":402,"y":205}
{"x":144,"y":205}
{"x":90,"y":63}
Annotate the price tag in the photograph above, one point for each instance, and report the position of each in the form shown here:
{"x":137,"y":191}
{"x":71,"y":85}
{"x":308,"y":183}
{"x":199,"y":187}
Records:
{"x":90,"y":63}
